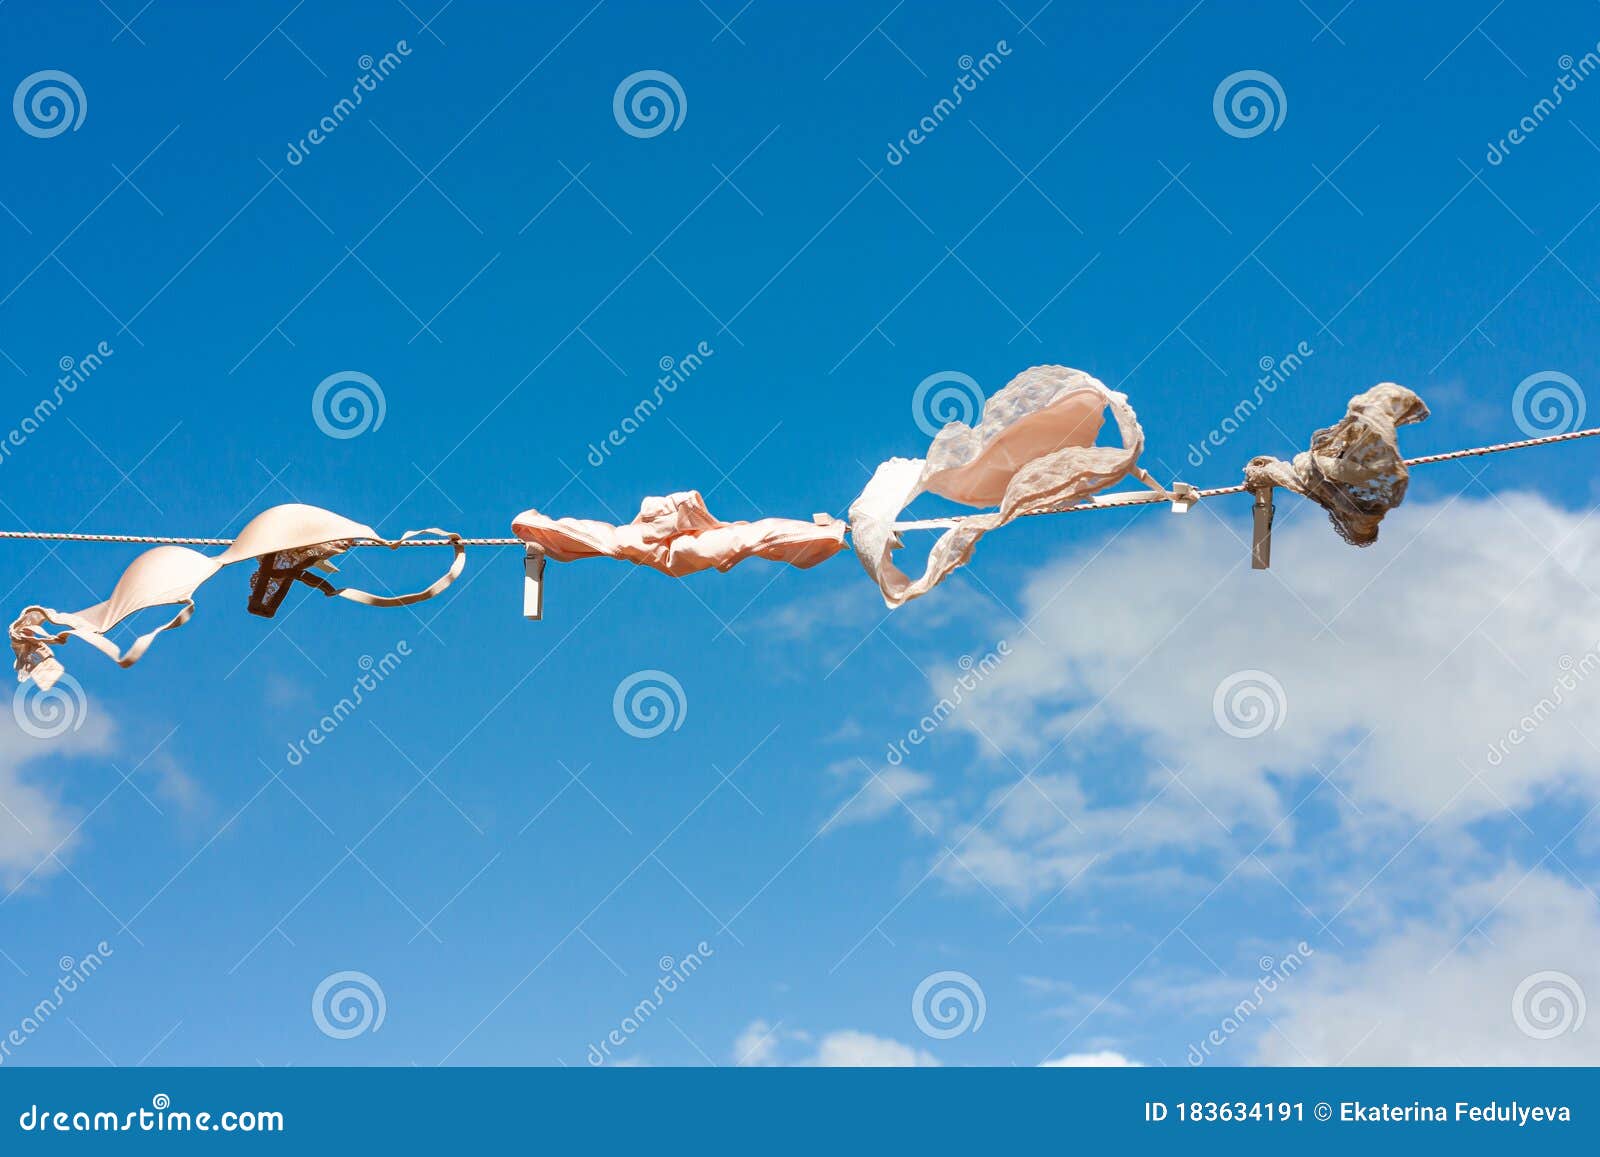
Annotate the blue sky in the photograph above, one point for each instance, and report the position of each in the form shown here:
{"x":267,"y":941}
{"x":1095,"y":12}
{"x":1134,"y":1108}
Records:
{"x":1081,"y":842}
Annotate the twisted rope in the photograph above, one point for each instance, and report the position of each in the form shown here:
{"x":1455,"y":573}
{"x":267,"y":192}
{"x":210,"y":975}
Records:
{"x":1136,"y":498}
{"x":1143,"y":498}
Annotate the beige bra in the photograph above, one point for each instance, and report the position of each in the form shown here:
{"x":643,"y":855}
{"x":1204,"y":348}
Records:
{"x":1033,"y":450}
{"x":287,"y":541}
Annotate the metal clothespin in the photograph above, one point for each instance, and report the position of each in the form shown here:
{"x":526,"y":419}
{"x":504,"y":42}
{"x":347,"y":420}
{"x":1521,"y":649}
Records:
{"x":533,"y":583}
{"x":1261,"y":539}
{"x":1184,"y":497}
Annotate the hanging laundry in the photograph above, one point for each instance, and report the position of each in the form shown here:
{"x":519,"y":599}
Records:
{"x":287,"y":541}
{"x":677,"y":535}
{"x":1353,"y":469}
{"x":1032,"y":451}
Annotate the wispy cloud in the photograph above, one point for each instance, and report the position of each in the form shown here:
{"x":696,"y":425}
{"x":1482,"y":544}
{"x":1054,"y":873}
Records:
{"x":35,"y":819}
{"x":762,"y":1043}
{"x":1399,"y":667}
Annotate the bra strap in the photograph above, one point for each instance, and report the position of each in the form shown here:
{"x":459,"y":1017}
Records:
{"x":368,"y":599}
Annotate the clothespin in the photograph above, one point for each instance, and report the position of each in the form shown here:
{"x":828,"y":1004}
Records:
{"x":1261,"y":539}
{"x":533,"y":583}
{"x":1184,"y":496}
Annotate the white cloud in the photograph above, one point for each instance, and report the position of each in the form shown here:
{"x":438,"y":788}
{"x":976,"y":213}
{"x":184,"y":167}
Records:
{"x":1400,"y":666}
{"x":851,"y":1049}
{"x":1437,"y":690}
{"x":1438,"y":638}
{"x":761,"y":1044}
{"x":1440,"y":989}
{"x":38,"y":827}
{"x":756,"y":1045}
{"x":1100,"y":1060}
{"x":879,"y":792}
{"x":34,"y":821}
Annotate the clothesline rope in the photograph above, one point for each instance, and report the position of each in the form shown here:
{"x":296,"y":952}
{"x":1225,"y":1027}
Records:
{"x":1143,"y":498}
{"x":1134,"y":498}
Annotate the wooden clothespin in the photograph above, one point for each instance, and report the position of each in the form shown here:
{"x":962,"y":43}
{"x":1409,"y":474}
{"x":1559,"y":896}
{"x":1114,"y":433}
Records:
{"x":1184,"y":497}
{"x":1261,"y":539}
{"x":533,"y":583}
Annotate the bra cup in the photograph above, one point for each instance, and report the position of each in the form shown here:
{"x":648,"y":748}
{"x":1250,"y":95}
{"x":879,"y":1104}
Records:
{"x":1034,"y":449}
{"x":290,"y":527}
{"x":159,"y":576}
{"x":1075,"y":420}
{"x":285,"y":539}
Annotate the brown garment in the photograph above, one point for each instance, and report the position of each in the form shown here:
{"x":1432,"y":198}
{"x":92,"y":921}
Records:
{"x":1353,"y":470}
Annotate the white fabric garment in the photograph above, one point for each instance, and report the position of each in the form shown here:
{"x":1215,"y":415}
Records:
{"x":286,"y":540}
{"x":1033,"y":450}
